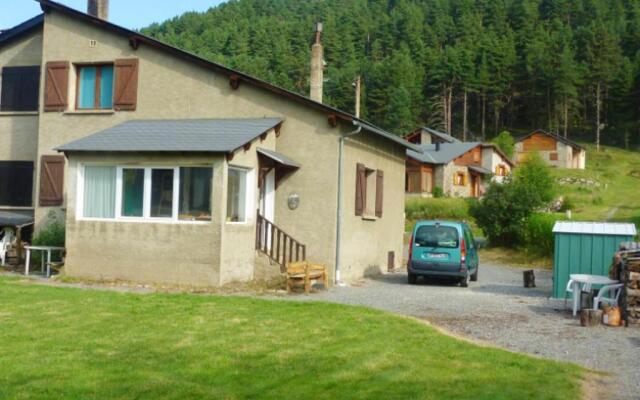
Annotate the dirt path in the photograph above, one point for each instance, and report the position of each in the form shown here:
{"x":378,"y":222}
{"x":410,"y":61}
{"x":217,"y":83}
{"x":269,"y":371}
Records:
{"x":611,"y":213}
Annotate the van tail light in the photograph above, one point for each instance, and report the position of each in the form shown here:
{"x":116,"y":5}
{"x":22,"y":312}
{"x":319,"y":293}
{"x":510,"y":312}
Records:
{"x":463,"y":255}
{"x":410,"y":250}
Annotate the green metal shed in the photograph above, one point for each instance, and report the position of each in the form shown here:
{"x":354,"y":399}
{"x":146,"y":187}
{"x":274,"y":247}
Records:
{"x":585,"y":248}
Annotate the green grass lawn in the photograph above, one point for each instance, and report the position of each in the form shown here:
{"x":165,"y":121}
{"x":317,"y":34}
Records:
{"x":66,"y":343}
{"x":617,"y":198}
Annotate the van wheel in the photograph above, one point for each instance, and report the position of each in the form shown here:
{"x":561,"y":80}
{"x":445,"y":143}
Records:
{"x":474,"y":277}
{"x":464,"y":282}
{"x":412,"y":278}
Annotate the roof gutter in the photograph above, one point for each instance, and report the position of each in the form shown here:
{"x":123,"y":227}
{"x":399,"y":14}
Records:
{"x":339,"y":214}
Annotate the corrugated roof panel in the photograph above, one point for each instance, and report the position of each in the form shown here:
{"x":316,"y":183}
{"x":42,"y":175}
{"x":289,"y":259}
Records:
{"x":595,"y":228}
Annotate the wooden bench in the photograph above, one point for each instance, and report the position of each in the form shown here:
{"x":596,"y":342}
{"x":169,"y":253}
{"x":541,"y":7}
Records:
{"x":303,"y":272}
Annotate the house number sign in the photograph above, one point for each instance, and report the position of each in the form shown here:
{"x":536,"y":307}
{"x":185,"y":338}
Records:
{"x":293,"y":201}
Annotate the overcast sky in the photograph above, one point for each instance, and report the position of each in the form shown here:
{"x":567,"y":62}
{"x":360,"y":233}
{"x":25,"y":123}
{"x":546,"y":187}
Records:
{"x":132,"y":14}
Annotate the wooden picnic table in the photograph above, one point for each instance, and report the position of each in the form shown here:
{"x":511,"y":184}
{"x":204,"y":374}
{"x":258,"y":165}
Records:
{"x":48,"y":250}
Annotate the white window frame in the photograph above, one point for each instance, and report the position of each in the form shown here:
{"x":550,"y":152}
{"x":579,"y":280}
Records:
{"x":249,"y":194}
{"x":146,"y":202}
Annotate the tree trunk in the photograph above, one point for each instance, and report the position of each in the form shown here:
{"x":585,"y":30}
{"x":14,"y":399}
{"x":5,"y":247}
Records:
{"x":484,"y":111}
{"x":549,"y":117}
{"x":598,"y":106}
{"x":565,"y":117}
{"x":445,"y":108}
{"x":450,"y":101}
{"x":464,"y":118}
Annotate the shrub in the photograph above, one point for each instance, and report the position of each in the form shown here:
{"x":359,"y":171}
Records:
{"x":567,"y":204}
{"x":537,"y":236}
{"x":53,"y":234}
{"x":534,"y":181}
{"x":504,"y":141}
{"x":437,"y":192}
{"x":500,"y":214}
{"x":503,"y":211}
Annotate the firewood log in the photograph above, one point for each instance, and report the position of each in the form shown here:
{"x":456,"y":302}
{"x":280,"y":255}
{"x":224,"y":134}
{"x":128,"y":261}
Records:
{"x":590,"y":317}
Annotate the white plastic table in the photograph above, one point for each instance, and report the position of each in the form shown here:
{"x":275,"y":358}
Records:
{"x":47,"y":249}
{"x":584,"y":281}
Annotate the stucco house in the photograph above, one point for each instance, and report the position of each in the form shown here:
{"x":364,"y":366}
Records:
{"x":555,"y":150}
{"x":460,"y":169}
{"x":169,"y":168}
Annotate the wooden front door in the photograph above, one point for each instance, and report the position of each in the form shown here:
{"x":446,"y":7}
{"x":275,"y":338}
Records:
{"x":268,"y":202}
{"x":475,"y":185}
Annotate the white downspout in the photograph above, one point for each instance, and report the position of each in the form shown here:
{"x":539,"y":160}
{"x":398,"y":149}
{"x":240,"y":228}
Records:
{"x":339,"y":214}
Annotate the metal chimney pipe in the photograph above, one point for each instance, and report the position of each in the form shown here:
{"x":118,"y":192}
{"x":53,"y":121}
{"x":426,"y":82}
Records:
{"x":317,"y":66}
{"x":98,"y":8}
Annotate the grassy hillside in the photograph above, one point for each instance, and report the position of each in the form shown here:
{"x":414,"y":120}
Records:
{"x":615,"y":196}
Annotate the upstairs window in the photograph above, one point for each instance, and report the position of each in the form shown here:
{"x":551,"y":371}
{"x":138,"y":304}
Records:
{"x":95,"y":87}
{"x":20,"y":88}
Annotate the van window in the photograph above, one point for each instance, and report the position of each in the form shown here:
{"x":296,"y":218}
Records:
{"x":437,"y":236}
{"x":468,"y":238}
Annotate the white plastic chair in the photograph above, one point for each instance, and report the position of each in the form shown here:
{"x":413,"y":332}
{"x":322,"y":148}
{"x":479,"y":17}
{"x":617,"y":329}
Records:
{"x":616,"y":290}
{"x":5,"y":244}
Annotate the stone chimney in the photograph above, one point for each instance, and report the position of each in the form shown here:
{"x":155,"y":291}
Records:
{"x":98,"y":8}
{"x":317,"y":66}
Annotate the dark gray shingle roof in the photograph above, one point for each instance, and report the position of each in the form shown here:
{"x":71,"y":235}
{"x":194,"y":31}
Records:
{"x":447,"y":152}
{"x":191,"y":135}
{"x":148,"y":41}
{"x":15,"y":32}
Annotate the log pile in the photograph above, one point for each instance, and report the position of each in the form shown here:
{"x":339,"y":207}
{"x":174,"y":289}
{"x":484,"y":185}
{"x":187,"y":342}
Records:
{"x":631,"y":278}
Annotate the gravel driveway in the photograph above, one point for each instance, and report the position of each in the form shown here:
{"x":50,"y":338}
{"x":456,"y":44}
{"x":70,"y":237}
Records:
{"x":498,"y":310}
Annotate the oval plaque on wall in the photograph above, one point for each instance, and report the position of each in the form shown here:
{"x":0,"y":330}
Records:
{"x":293,"y":201}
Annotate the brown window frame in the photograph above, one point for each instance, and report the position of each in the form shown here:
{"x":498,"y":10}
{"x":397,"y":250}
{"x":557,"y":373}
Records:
{"x":463,"y":180}
{"x":96,"y":100}
{"x":363,"y":196}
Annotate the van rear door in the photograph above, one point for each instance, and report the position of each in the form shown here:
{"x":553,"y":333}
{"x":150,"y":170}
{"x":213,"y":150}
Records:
{"x":436,"y":247}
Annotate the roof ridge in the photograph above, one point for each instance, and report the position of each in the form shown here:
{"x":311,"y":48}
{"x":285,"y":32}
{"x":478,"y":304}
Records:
{"x":137,"y":37}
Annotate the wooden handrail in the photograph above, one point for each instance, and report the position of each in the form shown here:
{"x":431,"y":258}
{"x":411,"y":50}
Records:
{"x":277,"y":244}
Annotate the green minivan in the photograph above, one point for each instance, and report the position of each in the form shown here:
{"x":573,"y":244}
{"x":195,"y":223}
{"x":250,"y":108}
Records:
{"x":443,"y":249}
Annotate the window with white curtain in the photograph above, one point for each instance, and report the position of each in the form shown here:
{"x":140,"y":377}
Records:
{"x":145,"y":193}
{"x":99,"y":192}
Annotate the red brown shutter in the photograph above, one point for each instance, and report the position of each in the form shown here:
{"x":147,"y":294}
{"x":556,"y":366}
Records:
{"x":56,"y":85}
{"x":126,"y":86}
{"x":361,"y":188}
{"x":51,"y":180}
{"x":379,"y":192}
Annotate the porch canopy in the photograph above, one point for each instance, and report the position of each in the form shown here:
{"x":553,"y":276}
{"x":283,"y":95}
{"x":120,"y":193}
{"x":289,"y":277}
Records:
{"x":183,"y":135}
{"x":15,"y":220}
{"x":278,"y":158}
{"x":479,"y":170}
